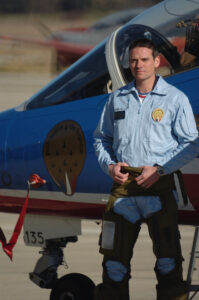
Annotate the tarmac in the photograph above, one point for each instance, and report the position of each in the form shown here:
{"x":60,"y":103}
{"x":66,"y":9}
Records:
{"x":83,"y":256}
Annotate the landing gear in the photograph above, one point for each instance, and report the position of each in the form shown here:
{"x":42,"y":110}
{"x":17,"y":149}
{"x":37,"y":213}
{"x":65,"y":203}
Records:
{"x":73,"y":286}
{"x":45,"y":272}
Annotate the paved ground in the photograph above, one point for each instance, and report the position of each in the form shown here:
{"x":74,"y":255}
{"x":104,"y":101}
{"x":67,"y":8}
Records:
{"x":82,"y":257}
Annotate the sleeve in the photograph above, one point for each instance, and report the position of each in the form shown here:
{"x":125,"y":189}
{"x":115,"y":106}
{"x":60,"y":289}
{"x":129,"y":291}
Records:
{"x":103,"y":137}
{"x":183,"y":157}
{"x":184,"y":125}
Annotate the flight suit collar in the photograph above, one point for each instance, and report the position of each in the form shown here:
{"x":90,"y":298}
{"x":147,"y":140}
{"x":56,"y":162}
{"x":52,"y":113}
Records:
{"x":160,"y":88}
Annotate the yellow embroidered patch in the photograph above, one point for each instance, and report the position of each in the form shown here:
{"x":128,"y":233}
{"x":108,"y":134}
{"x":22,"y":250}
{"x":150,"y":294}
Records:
{"x":157,"y":114}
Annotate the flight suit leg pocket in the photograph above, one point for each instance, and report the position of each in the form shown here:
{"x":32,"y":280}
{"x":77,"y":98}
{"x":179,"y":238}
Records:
{"x":111,"y":236}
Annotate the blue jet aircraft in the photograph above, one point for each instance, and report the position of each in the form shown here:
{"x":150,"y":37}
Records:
{"x":51,"y":135}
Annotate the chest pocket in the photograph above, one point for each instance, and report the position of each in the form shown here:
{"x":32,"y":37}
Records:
{"x":160,"y":136}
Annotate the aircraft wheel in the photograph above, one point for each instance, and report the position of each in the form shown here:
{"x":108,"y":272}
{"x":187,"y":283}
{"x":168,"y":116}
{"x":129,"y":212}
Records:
{"x":73,"y":286}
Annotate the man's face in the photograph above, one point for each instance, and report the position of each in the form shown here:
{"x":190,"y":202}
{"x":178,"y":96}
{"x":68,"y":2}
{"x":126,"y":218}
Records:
{"x":142,"y":63}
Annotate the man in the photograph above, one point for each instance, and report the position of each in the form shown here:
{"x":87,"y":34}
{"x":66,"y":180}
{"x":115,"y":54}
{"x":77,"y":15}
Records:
{"x":151,"y":174}
{"x":144,"y":123}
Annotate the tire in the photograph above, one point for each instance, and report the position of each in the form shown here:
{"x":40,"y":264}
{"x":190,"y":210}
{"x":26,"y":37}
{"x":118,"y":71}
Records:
{"x":73,"y":286}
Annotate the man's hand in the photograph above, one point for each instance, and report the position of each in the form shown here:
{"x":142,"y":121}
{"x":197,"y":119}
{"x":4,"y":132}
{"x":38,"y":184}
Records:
{"x":115,"y":172}
{"x":148,"y":177}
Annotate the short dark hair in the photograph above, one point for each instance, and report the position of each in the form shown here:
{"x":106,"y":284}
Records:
{"x":144,"y":43}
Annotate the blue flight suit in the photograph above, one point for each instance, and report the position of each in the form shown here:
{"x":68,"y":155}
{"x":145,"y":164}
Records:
{"x":184,"y":157}
{"x":141,"y":134}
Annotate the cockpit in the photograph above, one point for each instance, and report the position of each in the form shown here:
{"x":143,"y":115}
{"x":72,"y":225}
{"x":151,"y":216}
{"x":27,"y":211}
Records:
{"x":95,"y":74}
{"x":177,"y":42}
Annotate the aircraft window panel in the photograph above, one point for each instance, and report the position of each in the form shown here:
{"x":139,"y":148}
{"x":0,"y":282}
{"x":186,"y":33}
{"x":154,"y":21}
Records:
{"x":184,"y":35}
{"x":94,"y":88}
{"x":71,"y":85}
{"x":169,"y":55}
{"x":98,"y":86}
{"x":178,"y":45}
{"x":86,"y":78}
{"x":190,"y":55}
{"x":165,"y":69}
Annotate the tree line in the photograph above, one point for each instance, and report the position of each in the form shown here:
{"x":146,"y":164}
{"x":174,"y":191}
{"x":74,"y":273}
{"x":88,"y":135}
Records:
{"x":49,"y":6}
